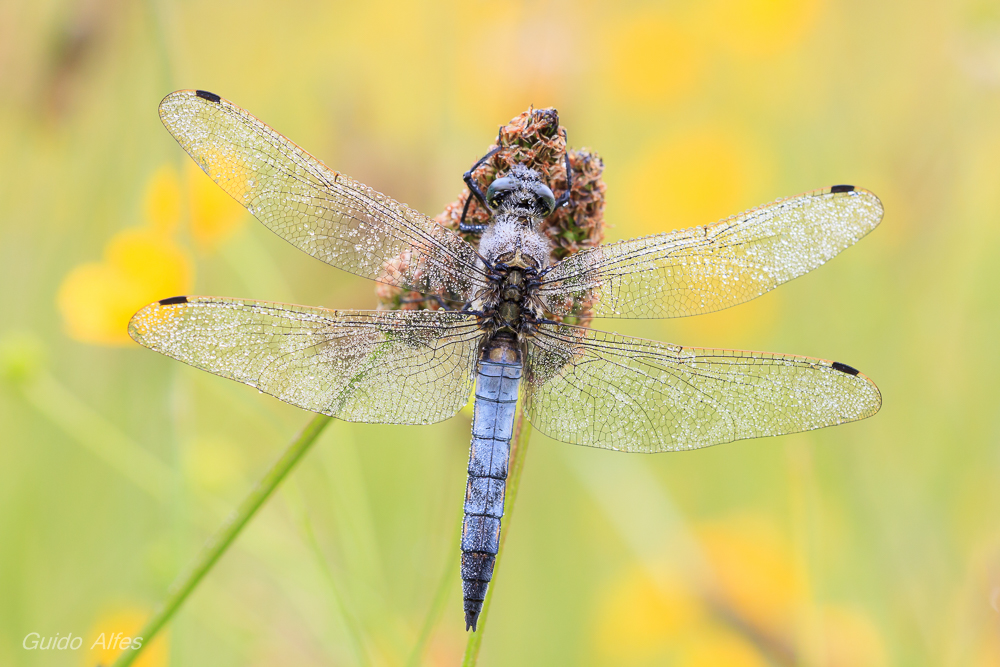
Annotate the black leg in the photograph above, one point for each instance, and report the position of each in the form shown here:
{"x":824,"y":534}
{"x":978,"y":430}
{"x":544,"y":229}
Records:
{"x":473,"y":186}
{"x":476,"y":191}
{"x":564,"y":197}
{"x":464,"y":226}
{"x":427,"y":297}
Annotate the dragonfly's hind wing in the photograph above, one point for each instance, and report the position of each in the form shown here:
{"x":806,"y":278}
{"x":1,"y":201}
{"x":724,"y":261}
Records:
{"x":604,"y":390}
{"x":318,"y":210}
{"x":705,"y":269}
{"x":387,"y":367}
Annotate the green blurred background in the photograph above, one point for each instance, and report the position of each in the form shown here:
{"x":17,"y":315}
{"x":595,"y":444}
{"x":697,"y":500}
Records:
{"x":874,"y":543}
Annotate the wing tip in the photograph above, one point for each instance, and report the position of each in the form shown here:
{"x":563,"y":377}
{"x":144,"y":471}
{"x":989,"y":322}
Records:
{"x":186,"y":93}
{"x":855,"y":373}
{"x":844,"y":368}
{"x":137,"y":324}
{"x":206,"y":95}
{"x":194,"y":92}
{"x":855,"y":191}
{"x":844,"y":189}
{"x":183,"y":92}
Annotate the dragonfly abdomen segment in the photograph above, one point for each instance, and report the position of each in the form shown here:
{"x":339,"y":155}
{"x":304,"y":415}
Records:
{"x":492,"y":428}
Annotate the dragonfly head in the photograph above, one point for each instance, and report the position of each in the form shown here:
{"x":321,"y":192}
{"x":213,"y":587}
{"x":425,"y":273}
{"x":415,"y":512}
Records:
{"x":521,"y":192}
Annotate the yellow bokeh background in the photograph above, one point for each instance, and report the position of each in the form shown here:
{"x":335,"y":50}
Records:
{"x":869,"y":544}
{"x":110,"y":629}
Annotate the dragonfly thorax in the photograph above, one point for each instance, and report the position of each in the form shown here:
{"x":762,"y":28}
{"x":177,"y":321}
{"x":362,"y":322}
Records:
{"x":510,"y":303}
{"x":508,"y":238}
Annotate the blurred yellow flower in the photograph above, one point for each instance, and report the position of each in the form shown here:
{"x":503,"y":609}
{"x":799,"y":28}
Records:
{"x":756,"y":600}
{"x":215,"y":216}
{"x":718,"y":646}
{"x":849,"y":639}
{"x":652,"y":60}
{"x":641,"y":619}
{"x":97,"y":299}
{"x":119,"y":630}
{"x":163,"y":200}
{"x":751,"y":321}
{"x":144,"y":264}
{"x":760,"y":27}
{"x":754,"y":570}
{"x":695,"y":178}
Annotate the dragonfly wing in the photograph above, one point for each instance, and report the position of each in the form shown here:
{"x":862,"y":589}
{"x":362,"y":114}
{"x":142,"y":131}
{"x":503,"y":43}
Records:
{"x":386,"y":367}
{"x":600,"y":389}
{"x":705,"y":269}
{"x":318,"y":210}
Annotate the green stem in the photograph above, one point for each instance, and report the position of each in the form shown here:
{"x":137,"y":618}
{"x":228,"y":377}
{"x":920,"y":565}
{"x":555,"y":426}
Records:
{"x":437,"y":604}
{"x":99,"y":436}
{"x":220,"y":541}
{"x":522,"y":433}
{"x":349,"y":621}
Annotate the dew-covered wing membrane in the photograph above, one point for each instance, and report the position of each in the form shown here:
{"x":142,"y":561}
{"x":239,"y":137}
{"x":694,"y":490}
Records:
{"x":320,"y":211}
{"x":389,"y":367}
{"x":705,"y":269}
{"x":600,"y":389}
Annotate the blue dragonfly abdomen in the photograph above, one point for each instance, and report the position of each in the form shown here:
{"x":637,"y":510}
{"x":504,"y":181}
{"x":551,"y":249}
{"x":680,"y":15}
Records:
{"x":497,"y":383}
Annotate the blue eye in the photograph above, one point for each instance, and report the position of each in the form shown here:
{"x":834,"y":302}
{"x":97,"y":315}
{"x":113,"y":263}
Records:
{"x":498,"y":189}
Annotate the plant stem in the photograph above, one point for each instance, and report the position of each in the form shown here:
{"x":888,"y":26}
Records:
{"x":99,"y":436}
{"x":220,"y":541}
{"x":349,"y":621}
{"x":522,"y":433}
{"x":437,"y":605}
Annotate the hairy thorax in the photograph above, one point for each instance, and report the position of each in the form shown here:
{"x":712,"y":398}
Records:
{"x":515,"y":254}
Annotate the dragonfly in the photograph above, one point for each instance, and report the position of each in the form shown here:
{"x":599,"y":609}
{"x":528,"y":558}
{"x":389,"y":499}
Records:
{"x":504,"y":334}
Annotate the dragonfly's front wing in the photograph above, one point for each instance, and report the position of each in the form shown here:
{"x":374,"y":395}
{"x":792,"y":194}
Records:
{"x":604,"y":390}
{"x":320,"y":211}
{"x":705,"y":269}
{"x":387,"y":367}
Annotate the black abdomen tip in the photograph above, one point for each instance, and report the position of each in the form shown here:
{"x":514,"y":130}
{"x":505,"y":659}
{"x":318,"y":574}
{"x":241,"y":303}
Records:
{"x":471,"y":619}
{"x":841,"y":188}
{"x":844,"y":368}
{"x":205,"y":95}
{"x":173,"y":300}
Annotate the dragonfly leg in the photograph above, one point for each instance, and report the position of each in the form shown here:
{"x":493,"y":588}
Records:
{"x":466,"y":227}
{"x":564,"y":197}
{"x":426,"y":297}
{"x":476,"y":191}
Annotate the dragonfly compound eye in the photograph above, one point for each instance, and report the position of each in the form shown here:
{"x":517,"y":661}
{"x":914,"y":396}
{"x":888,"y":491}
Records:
{"x":546,"y":200}
{"x":499,"y":189}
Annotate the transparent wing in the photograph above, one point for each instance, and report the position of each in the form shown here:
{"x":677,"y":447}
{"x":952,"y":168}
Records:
{"x":705,"y":269}
{"x":604,"y":390}
{"x":331,"y":217}
{"x":386,"y":367}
